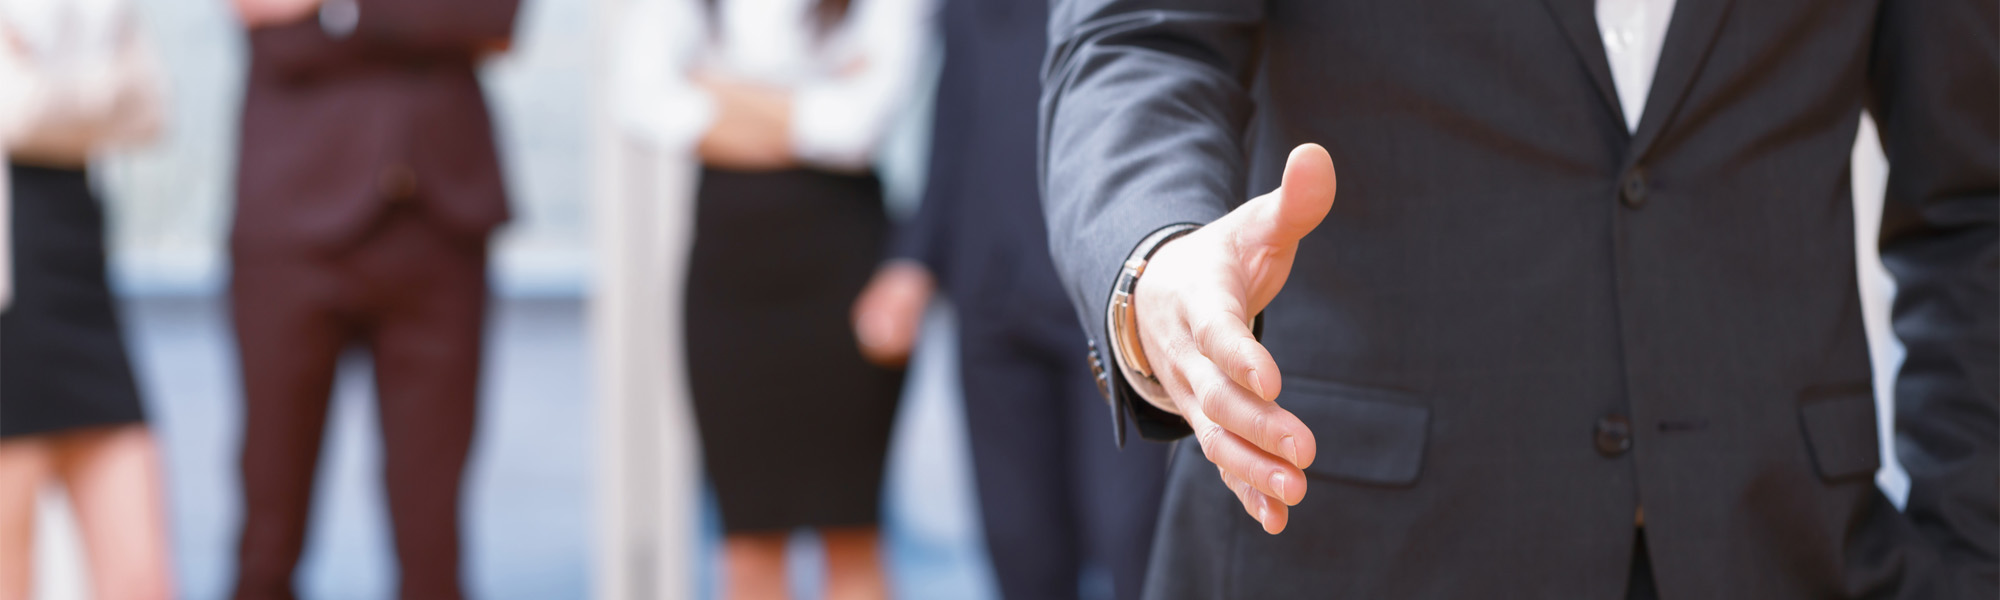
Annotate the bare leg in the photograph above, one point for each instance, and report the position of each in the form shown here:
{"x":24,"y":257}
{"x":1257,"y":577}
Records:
{"x":25,"y":465}
{"x":114,"y":482}
{"x":854,"y":564}
{"x":756,"y":566}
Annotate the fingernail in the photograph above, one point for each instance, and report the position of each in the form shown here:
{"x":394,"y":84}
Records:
{"x":1278,"y":481}
{"x":1257,"y":385}
{"x":1264,"y":516}
{"x":1290,"y":447}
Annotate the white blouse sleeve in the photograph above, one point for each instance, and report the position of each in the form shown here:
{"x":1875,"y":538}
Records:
{"x":20,"y":92}
{"x":63,"y":113}
{"x":651,"y":94}
{"x":840,"y":119}
{"x":6,"y":245}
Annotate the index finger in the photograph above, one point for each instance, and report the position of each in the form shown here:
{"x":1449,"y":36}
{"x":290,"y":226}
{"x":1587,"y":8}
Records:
{"x":1260,"y":422}
{"x":1221,"y":331}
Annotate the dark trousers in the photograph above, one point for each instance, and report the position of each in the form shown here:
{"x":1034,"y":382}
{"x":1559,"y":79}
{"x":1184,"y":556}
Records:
{"x":1055,"y":491}
{"x":415,"y":296}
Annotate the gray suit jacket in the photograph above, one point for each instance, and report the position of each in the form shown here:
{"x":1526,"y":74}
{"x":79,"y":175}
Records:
{"x":1519,"y":322}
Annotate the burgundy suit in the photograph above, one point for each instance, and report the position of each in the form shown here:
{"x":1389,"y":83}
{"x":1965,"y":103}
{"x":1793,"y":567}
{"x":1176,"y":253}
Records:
{"x":367,"y":186}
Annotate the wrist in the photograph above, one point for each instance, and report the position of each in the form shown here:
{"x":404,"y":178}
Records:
{"x":1121,"y":317}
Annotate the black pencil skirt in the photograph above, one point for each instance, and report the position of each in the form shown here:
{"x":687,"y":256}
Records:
{"x":794,"y":423}
{"x":63,"y":364}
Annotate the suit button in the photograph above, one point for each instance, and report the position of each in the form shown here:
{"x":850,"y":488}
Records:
{"x":1632,"y":191}
{"x":1614,"y":435}
{"x":398,"y":182}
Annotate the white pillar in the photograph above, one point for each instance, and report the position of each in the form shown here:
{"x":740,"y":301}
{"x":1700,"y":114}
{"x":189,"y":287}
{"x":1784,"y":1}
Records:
{"x":647,"y":473}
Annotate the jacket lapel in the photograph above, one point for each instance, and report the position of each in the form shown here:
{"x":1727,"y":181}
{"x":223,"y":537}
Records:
{"x":1579,"y":22}
{"x":1690,"y":35}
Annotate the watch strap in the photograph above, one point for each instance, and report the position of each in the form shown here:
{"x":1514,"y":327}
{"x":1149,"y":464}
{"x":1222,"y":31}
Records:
{"x":1121,"y":324}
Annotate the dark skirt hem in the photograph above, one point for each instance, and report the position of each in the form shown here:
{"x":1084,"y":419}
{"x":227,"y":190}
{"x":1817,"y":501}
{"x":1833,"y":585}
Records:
{"x":794,"y":422}
{"x":63,"y":363}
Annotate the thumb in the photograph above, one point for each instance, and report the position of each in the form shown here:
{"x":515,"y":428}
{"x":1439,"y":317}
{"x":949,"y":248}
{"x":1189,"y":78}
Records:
{"x":1301,"y":201}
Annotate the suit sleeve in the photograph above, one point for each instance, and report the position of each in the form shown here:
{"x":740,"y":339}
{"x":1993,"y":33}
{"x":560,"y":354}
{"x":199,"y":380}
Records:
{"x":1144,"y":110}
{"x":924,"y":237}
{"x":1934,"y":89}
{"x":388,"y":32}
{"x":440,"y":26}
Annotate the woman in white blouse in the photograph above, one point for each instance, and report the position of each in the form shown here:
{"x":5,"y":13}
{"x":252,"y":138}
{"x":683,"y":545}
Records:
{"x":784,"y":103}
{"x":74,"y":81}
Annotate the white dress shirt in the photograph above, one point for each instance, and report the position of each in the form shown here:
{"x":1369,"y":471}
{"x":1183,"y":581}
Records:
{"x":83,"y":80}
{"x":1634,"y":32}
{"x":75,"y":77}
{"x":847,"y":83}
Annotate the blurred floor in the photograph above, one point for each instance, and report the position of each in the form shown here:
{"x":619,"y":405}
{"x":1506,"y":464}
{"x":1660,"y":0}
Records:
{"x":527,"y":507}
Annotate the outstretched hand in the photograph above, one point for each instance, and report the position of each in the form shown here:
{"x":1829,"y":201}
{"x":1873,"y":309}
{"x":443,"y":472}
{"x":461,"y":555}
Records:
{"x":1194,"y":306}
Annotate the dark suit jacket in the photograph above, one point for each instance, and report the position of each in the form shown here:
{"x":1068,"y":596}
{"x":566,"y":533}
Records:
{"x":980,"y":226}
{"x":1508,"y":274}
{"x":335,"y":131}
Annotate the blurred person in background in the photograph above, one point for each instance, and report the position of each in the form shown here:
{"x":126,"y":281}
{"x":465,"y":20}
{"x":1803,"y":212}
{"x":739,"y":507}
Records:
{"x":784,"y":103}
{"x":75,"y":80}
{"x":1055,"y":491}
{"x":367,"y":187}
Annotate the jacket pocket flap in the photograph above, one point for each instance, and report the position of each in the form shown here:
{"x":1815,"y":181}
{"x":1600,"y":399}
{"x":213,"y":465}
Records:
{"x":1840,"y":429}
{"x":1366,"y":435}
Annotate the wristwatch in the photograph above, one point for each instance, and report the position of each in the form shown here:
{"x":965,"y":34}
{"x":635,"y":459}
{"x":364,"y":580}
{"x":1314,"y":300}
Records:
{"x":1121,"y":323}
